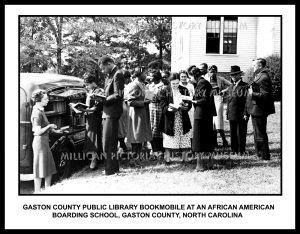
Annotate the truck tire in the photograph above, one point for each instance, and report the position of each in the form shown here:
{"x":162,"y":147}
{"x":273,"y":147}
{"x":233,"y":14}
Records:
{"x":62,"y":151}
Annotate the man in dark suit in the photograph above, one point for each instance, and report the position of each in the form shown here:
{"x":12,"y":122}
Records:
{"x":112,"y":111}
{"x":259,"y":105}
{"x":236,"y":100}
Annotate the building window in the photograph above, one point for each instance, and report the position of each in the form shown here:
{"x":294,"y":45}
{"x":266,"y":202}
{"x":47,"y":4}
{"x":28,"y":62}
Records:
{"x":213,"y":34}
{"x":230,"y":35}
{"x":221,"y":35}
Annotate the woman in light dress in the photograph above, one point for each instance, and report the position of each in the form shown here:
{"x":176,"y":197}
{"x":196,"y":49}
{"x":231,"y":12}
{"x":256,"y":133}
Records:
{"x":43,"y":162}
{"x":219,"y":85}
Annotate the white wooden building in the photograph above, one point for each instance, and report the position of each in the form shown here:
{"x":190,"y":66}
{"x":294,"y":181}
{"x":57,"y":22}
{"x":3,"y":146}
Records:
{"x":223,"y":40}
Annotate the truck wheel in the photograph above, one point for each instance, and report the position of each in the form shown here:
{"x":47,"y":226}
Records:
{"x":62,"y":153}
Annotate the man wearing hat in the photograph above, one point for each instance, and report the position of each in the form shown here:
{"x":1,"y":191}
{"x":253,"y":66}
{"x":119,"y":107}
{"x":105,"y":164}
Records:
{"x":259,"y":105}
{"x":237,"y":94}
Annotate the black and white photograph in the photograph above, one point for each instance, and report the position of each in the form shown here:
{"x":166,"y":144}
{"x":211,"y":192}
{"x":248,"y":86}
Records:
{"x":142,"y":136}
{"x":158,"y":106}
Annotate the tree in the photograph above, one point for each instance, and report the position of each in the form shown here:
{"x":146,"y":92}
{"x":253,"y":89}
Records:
{"x":56,"y":24}
{"x":73,"y":45}
{"x":157,"y":30}
{"x":33,"y":44}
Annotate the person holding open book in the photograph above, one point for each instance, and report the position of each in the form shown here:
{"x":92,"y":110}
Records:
{"x":219,"y":85}
{"x":93,"y":141}
{"x":112,"y":111}
{"x":175,"y":122}
{"x":139,"y":129}
{"x":203,"y":142}
{"x":184,"y":81}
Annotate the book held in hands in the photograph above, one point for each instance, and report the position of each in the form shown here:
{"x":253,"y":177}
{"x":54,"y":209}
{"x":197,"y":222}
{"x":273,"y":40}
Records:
{"x":78,"y":107}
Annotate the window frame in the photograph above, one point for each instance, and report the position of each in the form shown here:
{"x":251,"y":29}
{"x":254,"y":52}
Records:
{"x":221,"y":46}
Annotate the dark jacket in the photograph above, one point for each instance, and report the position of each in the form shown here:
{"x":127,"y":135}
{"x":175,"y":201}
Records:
{"x":236,"y":101}
{"x":205,"y":104}
{"x":261,"y":103}
{"x":114,"y":88}
{"x":168,"y":118}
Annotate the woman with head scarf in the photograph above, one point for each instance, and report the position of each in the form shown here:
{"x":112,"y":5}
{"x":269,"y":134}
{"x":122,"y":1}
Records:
{"x":219,"y":85}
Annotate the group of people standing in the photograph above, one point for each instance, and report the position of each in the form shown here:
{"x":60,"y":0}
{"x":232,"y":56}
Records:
{"x":176,"y":112}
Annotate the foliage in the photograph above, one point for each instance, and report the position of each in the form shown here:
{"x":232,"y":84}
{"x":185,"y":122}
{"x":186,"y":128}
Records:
{"x":274,"y":68}
{"x":74,"y":45}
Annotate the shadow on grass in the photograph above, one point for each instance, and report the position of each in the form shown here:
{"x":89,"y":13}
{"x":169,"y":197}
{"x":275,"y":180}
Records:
{"x":222,"y":161}
{"x":240,"y":162}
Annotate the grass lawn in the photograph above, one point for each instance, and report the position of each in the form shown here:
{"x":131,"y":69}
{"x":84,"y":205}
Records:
{"x":230,"y":175}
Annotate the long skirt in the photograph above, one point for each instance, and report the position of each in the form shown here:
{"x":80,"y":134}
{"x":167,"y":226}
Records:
{"x":43,"y":162}
{"x":93,"y":135}
{"x":218,"y":120}
{"x":123,"y":122}
{"x":139,"y":129}
{"x":178,"y":141}
{"x":191,"y":115}
{"x":203,"y":135}
{"x":155,"y":116}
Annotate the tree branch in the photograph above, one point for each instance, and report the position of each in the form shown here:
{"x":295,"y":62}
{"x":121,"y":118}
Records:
{"x":53,"y":29}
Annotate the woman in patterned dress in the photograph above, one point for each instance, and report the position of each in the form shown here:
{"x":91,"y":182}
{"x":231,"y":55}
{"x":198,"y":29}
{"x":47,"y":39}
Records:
{"x":156,"y":86}
{"x":175,"y":122}
{"x":43,"y":162}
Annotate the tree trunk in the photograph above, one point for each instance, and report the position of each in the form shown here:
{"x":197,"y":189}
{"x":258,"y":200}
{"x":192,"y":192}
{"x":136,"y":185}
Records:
{"x":97,"y":70}
{"x":160,"y":54}
{"x":31,"y":54}
{"x":59,"y":45}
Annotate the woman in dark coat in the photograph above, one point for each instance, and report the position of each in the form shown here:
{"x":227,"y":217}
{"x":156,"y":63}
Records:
{"x":175,"y":121}
{"x":93,"y":139}
{"x":203,"y":141}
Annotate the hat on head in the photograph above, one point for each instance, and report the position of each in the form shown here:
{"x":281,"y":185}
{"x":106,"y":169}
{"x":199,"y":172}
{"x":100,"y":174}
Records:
{"x":213,"y":68}
{"x":235,"y":70}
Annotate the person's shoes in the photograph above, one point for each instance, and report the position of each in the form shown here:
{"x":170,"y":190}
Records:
{"x":184,"y":162}
{"x":134,"y":163}
{"x":93,"y":164}
{"x":225,"y":144}
{"x":161,"y":156}
{"x":200,"y":165}
{"x":199,"y":169}
{"x":109,"y":172}
{"x":153,"y":158}
{"x":265,"y":157}
{"x":210,"y":163}
{"x":120,"y":151}
{"x":147,"y":147}
{"x":168,"y":163}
